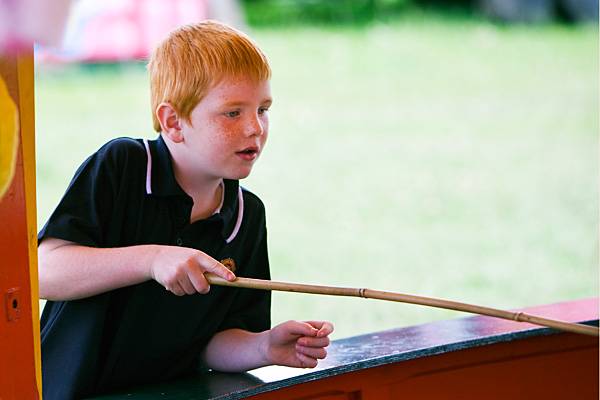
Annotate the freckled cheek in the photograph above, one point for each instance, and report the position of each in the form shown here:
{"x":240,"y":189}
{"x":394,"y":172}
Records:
{"x":223,"y":132}
{"x":216,"y":141}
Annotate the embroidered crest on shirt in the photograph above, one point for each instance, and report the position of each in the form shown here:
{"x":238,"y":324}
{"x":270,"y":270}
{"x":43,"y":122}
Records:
{"x":229,"y":263}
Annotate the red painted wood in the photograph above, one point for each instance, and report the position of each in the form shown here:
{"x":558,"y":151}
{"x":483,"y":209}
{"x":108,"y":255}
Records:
{"x":17,"y":363}
{"x":559,"y":366}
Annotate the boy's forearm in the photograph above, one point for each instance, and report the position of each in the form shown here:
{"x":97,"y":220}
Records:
{"x":236,"y":350}
{"x":70,"y":271}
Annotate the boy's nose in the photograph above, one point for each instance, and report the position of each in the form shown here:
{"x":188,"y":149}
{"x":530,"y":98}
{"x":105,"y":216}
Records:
{"x":255,"y":127}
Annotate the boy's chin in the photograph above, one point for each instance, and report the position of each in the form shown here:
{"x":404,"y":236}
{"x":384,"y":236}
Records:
{"x":238,"y":175}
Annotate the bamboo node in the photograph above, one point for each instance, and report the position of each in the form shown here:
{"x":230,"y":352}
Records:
{"x":518,"y":317}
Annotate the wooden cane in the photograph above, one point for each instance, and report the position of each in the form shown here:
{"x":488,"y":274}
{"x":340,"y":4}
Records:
{"x":402,"y":298}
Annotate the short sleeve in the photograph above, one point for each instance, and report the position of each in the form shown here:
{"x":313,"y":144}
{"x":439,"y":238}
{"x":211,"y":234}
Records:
{"x":251,"y":308}
{"x":84,"y":211}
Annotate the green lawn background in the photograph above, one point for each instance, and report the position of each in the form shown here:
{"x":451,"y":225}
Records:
{"x":455,"y":159}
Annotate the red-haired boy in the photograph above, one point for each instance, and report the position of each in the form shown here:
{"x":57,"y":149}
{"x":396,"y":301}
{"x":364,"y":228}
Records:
{"x":122,"y":258}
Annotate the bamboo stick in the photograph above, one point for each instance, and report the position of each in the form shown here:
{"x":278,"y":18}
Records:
{"x":402,"y":298}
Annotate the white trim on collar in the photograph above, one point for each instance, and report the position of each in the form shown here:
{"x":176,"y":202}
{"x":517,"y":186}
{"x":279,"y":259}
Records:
{"x":218,"y":210}
{"x":148,"y":168}
{"x":240,"y":216}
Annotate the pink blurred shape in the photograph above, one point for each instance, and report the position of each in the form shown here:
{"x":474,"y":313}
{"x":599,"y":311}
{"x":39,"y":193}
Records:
{"x":121,"y":30}
{"x":23,"y":22}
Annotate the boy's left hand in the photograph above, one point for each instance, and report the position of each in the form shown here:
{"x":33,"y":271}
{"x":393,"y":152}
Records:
{"x":298,"y":344}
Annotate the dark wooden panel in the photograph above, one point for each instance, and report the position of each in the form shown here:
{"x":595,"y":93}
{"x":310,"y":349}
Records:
{"x":549,"y":367}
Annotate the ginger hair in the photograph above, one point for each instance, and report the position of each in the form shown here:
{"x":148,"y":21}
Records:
{"x":194,"y":58}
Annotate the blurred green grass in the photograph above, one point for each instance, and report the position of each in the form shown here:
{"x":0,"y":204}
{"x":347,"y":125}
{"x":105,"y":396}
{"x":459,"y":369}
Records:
{"x":455,"y":159}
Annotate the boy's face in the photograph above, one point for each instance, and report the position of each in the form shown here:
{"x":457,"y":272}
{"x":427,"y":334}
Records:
{"x":228,"y":129}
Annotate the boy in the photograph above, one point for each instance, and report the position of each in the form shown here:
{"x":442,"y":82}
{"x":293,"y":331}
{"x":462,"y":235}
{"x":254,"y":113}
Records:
{"x":122,"y":258}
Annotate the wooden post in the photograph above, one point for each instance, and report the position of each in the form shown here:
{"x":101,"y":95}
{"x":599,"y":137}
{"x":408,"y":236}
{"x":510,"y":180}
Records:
{"x":20,"y":365}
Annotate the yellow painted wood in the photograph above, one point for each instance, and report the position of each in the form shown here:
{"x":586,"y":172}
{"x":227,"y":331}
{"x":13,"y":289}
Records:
{"x":25,"y":76}
{"x":9,"y":137}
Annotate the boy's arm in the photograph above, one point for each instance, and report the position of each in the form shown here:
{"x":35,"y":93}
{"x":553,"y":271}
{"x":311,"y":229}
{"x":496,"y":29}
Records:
{"x":69,"y":271}
{"x":292,"y":343}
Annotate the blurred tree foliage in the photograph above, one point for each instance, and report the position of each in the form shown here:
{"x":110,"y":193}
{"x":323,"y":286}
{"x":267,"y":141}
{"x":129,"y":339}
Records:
{"x":353,"y":12}
{"x":283,"y":12}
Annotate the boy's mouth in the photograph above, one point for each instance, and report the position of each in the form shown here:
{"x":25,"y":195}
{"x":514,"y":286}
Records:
{"x":248,"y":154}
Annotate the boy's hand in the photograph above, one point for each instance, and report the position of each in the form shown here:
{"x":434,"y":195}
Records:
{"x":181,"y":270}
{"x":298,"y":344}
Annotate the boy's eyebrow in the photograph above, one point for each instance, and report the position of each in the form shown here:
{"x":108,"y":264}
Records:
{"x":268,"y":101}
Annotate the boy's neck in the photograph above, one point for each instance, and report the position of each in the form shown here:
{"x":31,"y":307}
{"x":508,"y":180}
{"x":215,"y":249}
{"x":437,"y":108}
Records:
{"x":207,"y":200}
{"x":206,"y":192}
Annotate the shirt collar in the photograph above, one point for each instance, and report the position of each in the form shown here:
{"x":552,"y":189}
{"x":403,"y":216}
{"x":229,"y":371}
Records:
{"x":162,"y":183}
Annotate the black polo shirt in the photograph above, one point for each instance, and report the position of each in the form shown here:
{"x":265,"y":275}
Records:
{"x":124,"y":195}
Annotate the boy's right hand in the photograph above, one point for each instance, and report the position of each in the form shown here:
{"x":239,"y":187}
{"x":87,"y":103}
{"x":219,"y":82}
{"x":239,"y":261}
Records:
{"x":181,"y":270}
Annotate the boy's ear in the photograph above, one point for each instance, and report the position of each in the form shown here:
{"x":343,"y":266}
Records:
{"x":170,"y":123}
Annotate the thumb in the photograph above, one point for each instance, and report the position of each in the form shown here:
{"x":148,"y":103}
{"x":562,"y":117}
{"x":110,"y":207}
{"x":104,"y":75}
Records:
{"x":300,"y":328}
{"x":212,"y":266}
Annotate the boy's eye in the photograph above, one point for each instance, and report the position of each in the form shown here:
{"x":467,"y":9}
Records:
{"x":232,"y":114}
{"x":263,"y":110}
